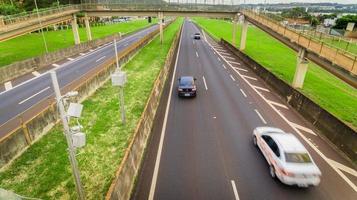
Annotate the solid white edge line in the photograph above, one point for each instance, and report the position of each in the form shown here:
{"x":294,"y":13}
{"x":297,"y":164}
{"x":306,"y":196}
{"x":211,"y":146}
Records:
{"x":260,"y":116}
{"x":23,"y":101}
{"x":204,"y":81}
{"x":55,"y":65}
{"x":8,"y":85}
{"x":232,"y":77}
{"x":235,"y":191}
{"x":343,"y":176}
{"x":163,"y":130}
{"x":70,"y":58}
{"x":243,"y":93}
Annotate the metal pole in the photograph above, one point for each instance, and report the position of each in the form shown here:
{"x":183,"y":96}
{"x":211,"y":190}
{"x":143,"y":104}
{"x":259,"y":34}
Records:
{"x":122,"y":104}
{"x":43,"y":35}
{"x":116,"y":53}
{"x":71,"y":150}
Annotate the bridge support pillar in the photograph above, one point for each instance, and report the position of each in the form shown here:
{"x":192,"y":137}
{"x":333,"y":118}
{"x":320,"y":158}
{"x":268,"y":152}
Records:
{"x":75,"y":30}
{"x":243,"y":36}
{"x":88,"y":31}
{"x":234,"y":34}
{"x":161,"y":18}
{"x":301,"y":69}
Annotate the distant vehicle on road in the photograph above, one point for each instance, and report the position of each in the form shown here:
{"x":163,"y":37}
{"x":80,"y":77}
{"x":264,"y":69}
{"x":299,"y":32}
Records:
{"x":288,"y":159}
{"x":197,"y":36}
{"x":186,"y":86}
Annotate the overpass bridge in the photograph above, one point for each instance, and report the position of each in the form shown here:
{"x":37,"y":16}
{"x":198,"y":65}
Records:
{"x":332,"y":59}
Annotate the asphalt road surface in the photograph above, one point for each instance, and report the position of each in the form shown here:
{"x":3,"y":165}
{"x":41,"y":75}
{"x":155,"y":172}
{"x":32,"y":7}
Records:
{"x":28,"y":93}
{"x":201,"y":148}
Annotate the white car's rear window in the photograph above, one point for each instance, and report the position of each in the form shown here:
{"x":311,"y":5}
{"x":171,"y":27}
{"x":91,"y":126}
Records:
{"x":297,"y":157}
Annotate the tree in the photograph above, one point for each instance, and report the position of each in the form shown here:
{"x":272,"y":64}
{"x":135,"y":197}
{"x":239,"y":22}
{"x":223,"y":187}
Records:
{"x":295,"y":13}
{"x":342,"y":22}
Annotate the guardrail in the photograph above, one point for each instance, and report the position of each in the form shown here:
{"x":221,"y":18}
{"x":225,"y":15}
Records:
{"x":12,"y":19}
{"x":339,"y":57}
{"x":133,"y":6}
{"x":161,"y":7}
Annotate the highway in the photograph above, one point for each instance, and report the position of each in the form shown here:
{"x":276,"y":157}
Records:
{"x":26,"y":94}
{"x":201,"y":148}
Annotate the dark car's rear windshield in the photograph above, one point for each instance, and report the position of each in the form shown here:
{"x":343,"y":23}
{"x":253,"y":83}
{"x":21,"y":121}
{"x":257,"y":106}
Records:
{"x":297,"y":157}
{"x":197,"y":34}
{"x":186,"y":81}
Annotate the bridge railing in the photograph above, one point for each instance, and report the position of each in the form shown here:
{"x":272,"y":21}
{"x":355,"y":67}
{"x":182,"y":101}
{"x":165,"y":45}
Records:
{"x":160,"y":7}
{"x":21,"y":17}
{"x":337,"y":56}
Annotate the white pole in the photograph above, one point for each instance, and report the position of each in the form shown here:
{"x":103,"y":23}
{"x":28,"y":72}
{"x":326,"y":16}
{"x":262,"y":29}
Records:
{"x":116,"y":53}
{"x":71,"y":149}
{"x":43,"y":35}
{"x":122,"y":104}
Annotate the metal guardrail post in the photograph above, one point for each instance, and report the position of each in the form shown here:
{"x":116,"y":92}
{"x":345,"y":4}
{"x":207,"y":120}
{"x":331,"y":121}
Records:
{"x":26,"y":131}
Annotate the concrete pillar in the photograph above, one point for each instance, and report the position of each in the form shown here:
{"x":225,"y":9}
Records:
{"x":234,"y":32}
{"x":301,"y":69}
{"x":161,"y":17}
{"x":243,"y":36}
{"x":88,"y":31}
{"x":75,"y":30}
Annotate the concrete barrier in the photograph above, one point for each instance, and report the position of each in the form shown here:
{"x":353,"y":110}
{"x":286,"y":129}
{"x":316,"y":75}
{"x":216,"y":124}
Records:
{"x":20,"y":68}
{"x":39,"y":119}
{"x":124,"y":180}
{"x":340,"y":134}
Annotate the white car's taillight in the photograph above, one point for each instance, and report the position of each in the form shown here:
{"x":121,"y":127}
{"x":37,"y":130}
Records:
{"x":286,"y":173}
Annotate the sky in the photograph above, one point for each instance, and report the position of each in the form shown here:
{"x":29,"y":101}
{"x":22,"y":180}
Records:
{"x":278,"y":1}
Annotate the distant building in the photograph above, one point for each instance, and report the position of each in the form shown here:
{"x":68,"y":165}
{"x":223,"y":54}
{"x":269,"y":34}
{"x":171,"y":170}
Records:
{"x":329,"y":22}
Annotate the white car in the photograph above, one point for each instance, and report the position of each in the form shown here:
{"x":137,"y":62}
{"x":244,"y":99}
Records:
{"x":287,"y":157}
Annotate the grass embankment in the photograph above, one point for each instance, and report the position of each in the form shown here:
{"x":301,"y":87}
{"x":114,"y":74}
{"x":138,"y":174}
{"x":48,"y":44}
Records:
{"x":351,"y":47}
{"x":31,"y":45}
{"x":322,"y":87}
{"x":43,"y":171}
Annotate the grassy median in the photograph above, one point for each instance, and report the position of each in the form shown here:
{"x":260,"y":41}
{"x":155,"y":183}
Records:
{"x":322,"y":87}
{"x":32,"y":45}
{"x":43,"y":171}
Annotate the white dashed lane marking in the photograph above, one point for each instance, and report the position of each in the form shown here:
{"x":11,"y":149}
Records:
{"x":242,"y":91}
{"x":260,"y":116}
{"x":232,"y":77}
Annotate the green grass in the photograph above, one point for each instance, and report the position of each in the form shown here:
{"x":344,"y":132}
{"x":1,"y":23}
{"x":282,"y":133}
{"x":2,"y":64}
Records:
{"x":43,"y":171}
{"x":352,"y":47}
{"x":32,"y":45}
{"x":322,"y":87}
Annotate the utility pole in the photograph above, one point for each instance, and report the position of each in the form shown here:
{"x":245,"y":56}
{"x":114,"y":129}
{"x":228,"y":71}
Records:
{"x":116,"y":53}
{"x":67,"y":133}
{"x":43,"y":35}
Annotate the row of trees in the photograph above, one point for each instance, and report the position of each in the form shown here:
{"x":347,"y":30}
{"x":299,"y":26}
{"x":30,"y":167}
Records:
{"x":9,"y":7}
{"x":300,"y":13}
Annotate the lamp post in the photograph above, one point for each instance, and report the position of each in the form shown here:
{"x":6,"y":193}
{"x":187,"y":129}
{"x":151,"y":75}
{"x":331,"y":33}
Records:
{"x":67,"y":132}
